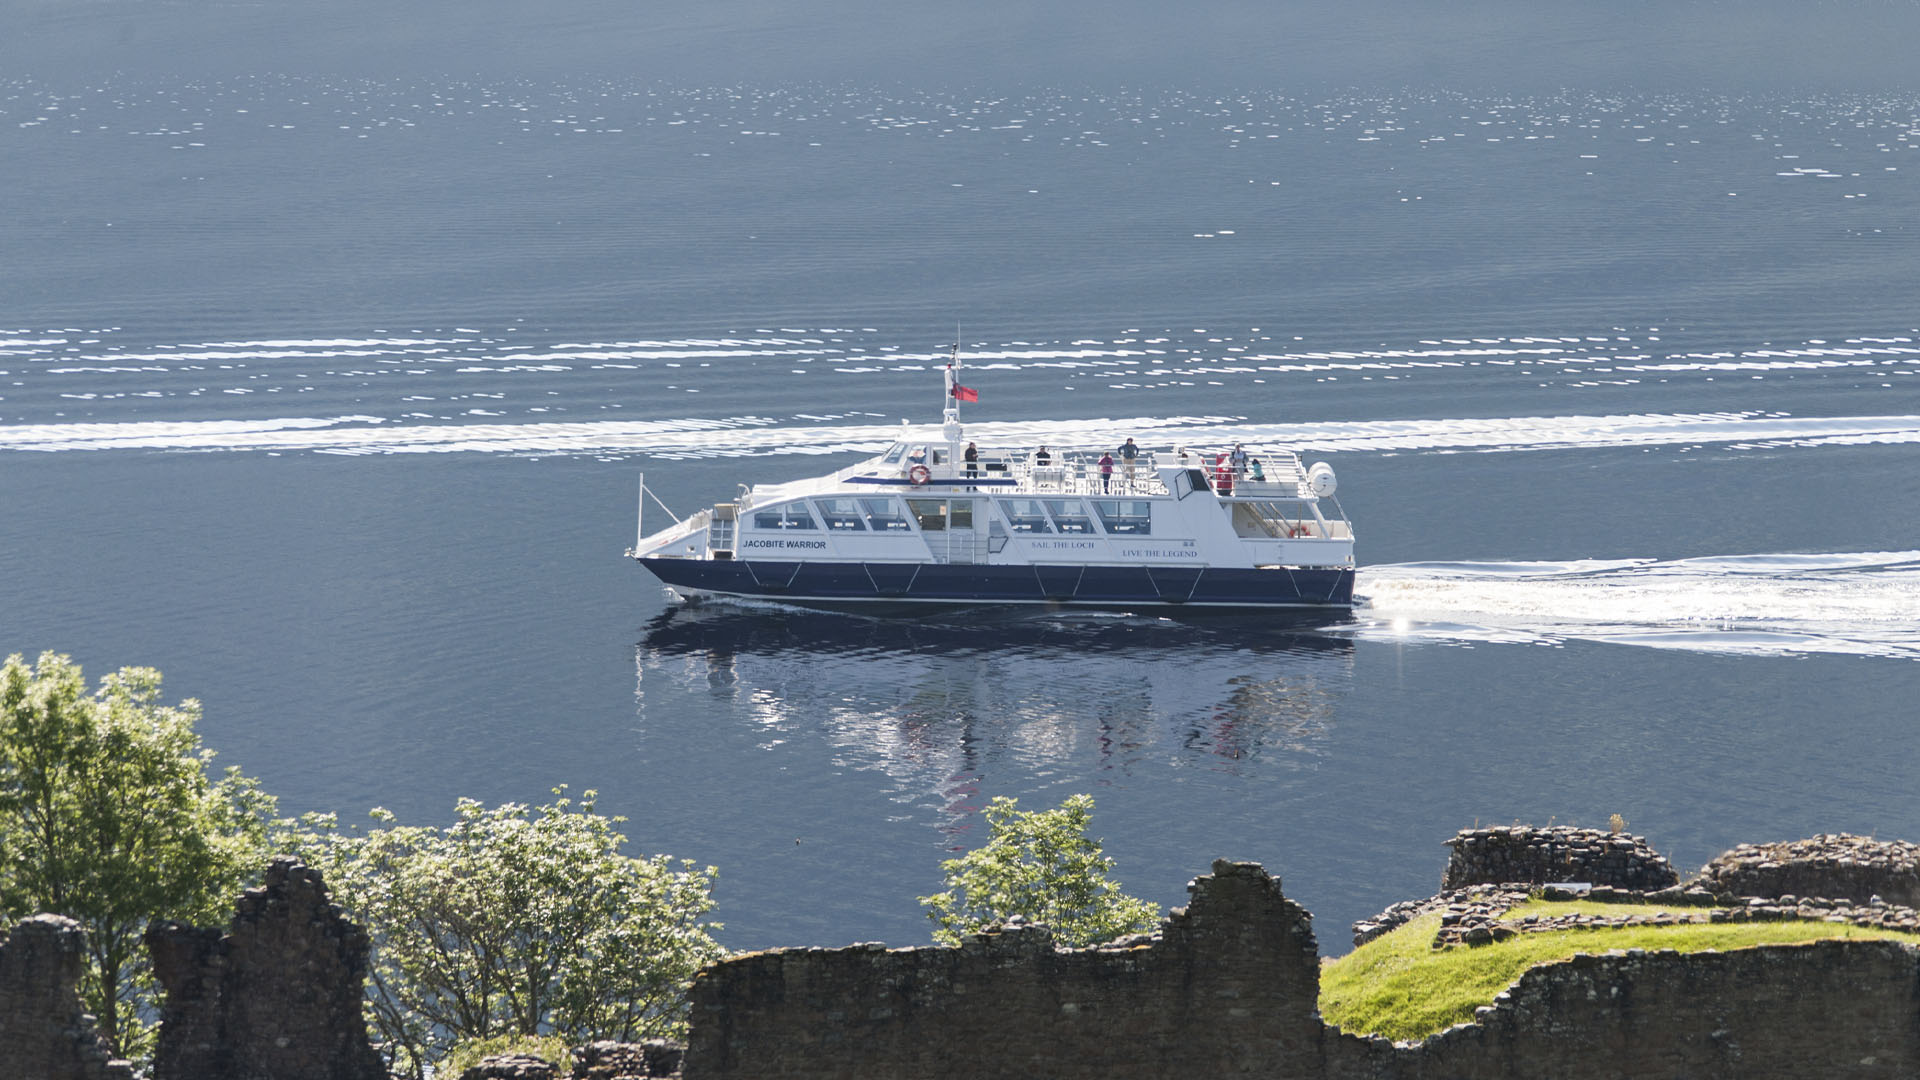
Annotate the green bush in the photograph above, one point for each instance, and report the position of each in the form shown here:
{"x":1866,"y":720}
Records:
{"x":1042,"y":866}
{"x":111,"y":814}
{"x":517,"y":921}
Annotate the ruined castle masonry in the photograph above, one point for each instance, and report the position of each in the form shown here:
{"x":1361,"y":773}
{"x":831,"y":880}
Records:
{"x":44,"y":1035}
{"x":1526,"y":854}
{"x":1790,"y":1012}
{"x":1837,"y":866}
{"x":1228,"y":987}
{"x":277,"y":994}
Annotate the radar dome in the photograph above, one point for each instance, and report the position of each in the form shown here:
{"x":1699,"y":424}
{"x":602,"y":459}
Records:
{"x":1320,"y":479}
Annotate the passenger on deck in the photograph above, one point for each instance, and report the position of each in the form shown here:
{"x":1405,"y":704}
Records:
{"x":1255,"y":472}
{"x":1042,"y":458}
{"x":1128,"y":452}
{"x":1106,"y":472}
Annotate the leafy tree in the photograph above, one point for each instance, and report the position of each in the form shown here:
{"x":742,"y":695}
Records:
{"x":1042,"y":866}
{"x":109,"y":815}
{"x":517,"y":921}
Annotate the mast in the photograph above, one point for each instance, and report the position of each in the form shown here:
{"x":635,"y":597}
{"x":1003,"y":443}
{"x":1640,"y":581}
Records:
{"x":950,"y":409}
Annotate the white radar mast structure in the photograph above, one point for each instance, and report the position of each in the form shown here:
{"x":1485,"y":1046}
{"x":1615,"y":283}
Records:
{"x":950,"y":409}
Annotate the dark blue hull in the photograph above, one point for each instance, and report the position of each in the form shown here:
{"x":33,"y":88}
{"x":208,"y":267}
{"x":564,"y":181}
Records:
{"x":838,"y":583}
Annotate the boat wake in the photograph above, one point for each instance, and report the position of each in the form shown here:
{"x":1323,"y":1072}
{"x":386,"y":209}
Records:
{"x":1859,"y":603}
{"x":756,"y":436}
{"x":463,"y":390}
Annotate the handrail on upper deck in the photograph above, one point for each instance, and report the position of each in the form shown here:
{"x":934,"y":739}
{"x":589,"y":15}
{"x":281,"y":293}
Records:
{"x":1077,"y":476}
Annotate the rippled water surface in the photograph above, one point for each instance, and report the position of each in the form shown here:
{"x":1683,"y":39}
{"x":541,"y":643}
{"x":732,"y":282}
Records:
{"x":326,"y":395}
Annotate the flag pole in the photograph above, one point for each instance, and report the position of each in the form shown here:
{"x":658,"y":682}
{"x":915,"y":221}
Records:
{"x":950,"y":408}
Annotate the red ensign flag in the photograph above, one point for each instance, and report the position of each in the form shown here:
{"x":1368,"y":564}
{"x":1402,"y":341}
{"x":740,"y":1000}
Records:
{"x":965,"y":394}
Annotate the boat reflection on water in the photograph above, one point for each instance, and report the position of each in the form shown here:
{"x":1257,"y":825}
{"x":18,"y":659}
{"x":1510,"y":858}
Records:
{"x":941,"y":703}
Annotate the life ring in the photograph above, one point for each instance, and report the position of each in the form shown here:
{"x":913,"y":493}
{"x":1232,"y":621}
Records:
{"x":919,"y":475}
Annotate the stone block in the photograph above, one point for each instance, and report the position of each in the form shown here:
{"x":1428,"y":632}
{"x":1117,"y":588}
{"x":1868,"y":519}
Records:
{"x":45,"y":1034}
{"x":277,"y":994}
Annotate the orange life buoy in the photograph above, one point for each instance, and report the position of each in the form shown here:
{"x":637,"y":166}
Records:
{"x":919,"y":475}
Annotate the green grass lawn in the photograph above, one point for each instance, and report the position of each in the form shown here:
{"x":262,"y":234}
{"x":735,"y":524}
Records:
{"x":1399,"y":986}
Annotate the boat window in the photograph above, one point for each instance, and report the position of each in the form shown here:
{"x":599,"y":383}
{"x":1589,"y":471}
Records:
{"x":840,"y":514}
{"x":931,"y":513}
{"x":960,"y":515}
{"x":894,"y":453}
{"x":1025,"y":516}
{"x":793,"y":515}
{"x":1069,"y":516}
{"x":883,"y":515}
{"x":1132,"y":517}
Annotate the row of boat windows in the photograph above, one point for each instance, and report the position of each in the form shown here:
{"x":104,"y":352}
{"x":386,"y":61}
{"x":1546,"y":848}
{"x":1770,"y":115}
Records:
{"x":1121,"y":517}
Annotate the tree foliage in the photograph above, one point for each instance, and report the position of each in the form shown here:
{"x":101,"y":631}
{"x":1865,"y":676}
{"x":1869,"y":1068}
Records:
{"x":109,"y":814}
{"x":1042,"y":866}
{"x":517,"y":921}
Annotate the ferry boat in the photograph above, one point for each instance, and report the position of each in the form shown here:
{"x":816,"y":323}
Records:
{"x":936,"y":519}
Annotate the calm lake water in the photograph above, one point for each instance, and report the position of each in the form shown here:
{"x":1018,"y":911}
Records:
{"x":325,"y":380}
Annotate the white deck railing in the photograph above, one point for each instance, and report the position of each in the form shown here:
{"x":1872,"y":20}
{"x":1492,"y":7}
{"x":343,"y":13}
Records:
{"x":678,"y":531}
{"x":1281,"y":476}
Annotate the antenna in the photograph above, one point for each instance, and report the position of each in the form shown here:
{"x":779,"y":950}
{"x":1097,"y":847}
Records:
{"x":950,"y":404}
{"x":950,"y":407}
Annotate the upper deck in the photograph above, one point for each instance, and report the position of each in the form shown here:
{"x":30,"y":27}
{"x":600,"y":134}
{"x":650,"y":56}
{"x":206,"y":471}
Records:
{"x":1270,"y":472}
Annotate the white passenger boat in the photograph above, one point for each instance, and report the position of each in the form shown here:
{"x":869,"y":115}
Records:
{"x":1216,"y":527}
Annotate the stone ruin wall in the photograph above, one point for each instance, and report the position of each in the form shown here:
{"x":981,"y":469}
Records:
{"x":602,"y":1060}
{"x":1505,"y":855}
{"x":277,"y":994}
{"x":1196,"y":1000}
{"x":1229,"y":986}
{"x":44,"y":1033}
{"x":1800,"y":1012}
{"x":1833,"y":866}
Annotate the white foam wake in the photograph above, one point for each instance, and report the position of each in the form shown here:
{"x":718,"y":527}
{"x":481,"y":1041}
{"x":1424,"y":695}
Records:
{"x":1857,"y":603}
{"x":758,"y":436}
